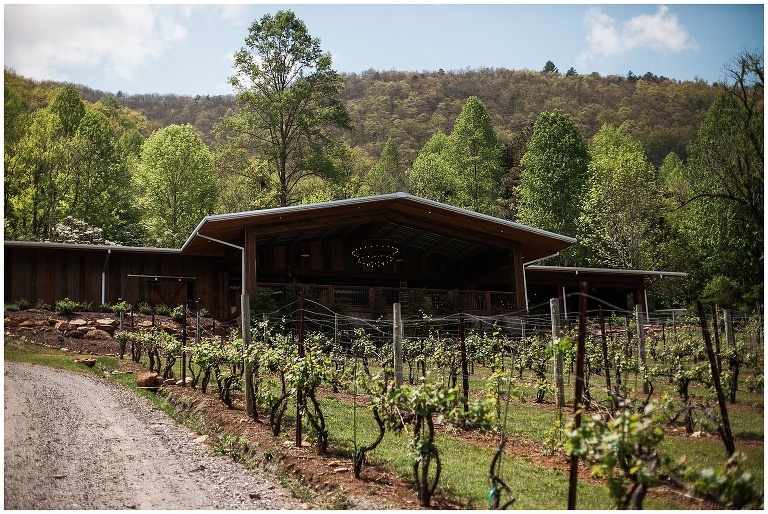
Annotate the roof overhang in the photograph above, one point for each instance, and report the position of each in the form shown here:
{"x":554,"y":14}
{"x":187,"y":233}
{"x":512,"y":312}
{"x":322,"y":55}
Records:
{"x":50,"y":245}
{"x":605,"y":271}
{"x":408,"y":221}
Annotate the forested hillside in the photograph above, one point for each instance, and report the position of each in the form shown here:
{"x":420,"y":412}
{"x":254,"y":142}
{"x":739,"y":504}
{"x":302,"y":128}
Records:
{"x":646,"y":172}
{"x":410,"y":107}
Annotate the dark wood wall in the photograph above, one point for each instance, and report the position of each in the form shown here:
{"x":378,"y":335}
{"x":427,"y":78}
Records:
{"x":51,"y":275}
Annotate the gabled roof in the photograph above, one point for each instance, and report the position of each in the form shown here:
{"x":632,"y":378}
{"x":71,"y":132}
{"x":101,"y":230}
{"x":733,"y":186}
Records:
{"x":408,"y":221}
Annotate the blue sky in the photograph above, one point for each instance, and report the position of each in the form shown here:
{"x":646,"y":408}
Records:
{"x":187,"y":49}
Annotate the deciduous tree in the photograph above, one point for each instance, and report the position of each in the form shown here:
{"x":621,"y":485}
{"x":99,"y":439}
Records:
{"x":554,"y":177}
{"x":175,"y":183}
{"x":289,"y":110}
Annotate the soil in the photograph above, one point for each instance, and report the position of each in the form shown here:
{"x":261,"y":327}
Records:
{"x":326,"y":480}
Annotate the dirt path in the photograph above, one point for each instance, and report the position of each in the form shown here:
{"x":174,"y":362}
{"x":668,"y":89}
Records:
{"x":74,"y":441}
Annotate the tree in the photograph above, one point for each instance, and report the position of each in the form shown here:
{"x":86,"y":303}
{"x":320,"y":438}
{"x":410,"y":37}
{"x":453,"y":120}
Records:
{"x":571,"y":72}
{"x":289,"y":110}
{"x":622,"y":211}
{"x":554,"y":176}
{"x":431,"y":175}
{"x":33,"y":179}
{"x":388,"y":174}
{"x":721,"y":189}
{"x":549,"y":67}
{"x":69,"y":107}
{"x":175,"y":184}
{"x":476,"y":155}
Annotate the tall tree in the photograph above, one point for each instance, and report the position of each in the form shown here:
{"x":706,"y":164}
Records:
{"x":175,"y":184}
{"x":476,"y":155}
{"x":34,"y":179}
{"x":620,"y":225}
{"x":388,"y":174}
{"x":554,"y":177}
{"x":432,"y":176}
{"x":69,"y":107}
{"x":289,"y":110}
{"x":721,"y":190}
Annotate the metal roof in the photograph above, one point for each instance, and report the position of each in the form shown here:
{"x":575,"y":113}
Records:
{"x":408,"y":221}
{"x":608,"y":271}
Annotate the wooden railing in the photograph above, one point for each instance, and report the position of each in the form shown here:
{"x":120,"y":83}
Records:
{"x":363,"y":299}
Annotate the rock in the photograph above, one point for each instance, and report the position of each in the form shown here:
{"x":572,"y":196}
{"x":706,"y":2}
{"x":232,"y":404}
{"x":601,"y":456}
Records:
{"x":146,"y":379}
{"x":109,"y":329}
{"x":73,"y":333}
{"x":88,"y":362}
{"x":169,"y":382}
{"x":9,"y":323}
{"x":107,"y":322}
{"x":97,"y":334}
{"x":78,"y":322}
{"x":27,"y":323}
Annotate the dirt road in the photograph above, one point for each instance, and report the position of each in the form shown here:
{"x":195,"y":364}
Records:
{"x":74,"y":441}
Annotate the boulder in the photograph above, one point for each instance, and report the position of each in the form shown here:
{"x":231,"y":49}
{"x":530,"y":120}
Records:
{"x":146,"y":379}
{"x":73,"y":333}
{"x":77,"y":323}
{"x":96,"y":334}
{"x":107,"y":322}
{"x":27,"y":323}
{"x":9,"y":323}
{"x":110,"y":329}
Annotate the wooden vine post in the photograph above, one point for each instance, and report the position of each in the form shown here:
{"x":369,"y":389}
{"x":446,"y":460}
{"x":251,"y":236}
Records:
{"x":464,"y":367}
{"x":605,"y":355}
{"x":299,"y":399}
{"x":725,"y":431}
{"x":641,"y":355}
{"x":397,"y":336}
{"x":554,"y":307}
{"x":577,"y":400}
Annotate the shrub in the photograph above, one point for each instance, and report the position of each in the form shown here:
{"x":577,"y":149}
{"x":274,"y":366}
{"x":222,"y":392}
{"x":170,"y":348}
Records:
{"x":22,"y":303}
{"x":66,"y":306}
{"x":177,"y":314}
{"x":162,"y":309}
{"x":105,"y":307}
{"x":11,"y":307}
{"x":120,"y":308}
{"x":41,"y":305}
{"x":144,"y":308}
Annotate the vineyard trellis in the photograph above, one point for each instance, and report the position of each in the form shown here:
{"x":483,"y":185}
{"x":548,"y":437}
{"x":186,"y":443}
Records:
{"x":464,"y":370}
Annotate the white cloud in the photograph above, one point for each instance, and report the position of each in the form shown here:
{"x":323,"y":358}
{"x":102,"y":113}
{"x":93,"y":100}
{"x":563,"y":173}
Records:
{"x":659,"y":32}
{"x":43,"y":41}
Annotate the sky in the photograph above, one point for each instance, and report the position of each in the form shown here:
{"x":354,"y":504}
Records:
{"x":188,"y":49}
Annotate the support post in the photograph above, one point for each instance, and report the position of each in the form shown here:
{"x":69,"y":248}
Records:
{"x":605,"y":353}
{"x":641,"y":346}
{"x":397,"y":335}
{"x":577,"y":401}
{"x":299,"y":396}
{"x":245,"y":316}
{"x":554,"y":307}
{"x":730,"y":340}
{"x":464,"y":368}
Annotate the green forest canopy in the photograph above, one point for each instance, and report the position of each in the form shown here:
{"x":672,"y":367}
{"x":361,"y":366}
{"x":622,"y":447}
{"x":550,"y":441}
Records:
{"x":668,"y":131}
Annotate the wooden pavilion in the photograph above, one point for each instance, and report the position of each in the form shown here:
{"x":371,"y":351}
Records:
{"x":362,"y":254}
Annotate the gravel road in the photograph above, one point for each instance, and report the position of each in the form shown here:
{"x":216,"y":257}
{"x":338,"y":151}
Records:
{"x":75,"y":441}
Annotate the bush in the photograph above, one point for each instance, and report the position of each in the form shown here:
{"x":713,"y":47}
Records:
{"x":105,"y":307}
{"x":12,"y":307}
{"x":177,"y":314}
{"x":120,"y":308}
{"x":67,"y":306}
{"x":41,"y":305}
{"x":162,"y":309}
{"x":144,"y":308}
{"x":22,"y":303}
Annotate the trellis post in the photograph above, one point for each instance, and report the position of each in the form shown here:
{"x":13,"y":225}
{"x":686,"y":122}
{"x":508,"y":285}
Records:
{"x":554,"y":307}
{"x":641,"y":345}
{"x":397,"y":335}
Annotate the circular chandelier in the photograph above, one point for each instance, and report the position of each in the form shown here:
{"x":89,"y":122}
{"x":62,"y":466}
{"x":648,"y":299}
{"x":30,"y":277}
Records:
{"x":375,"y":253}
